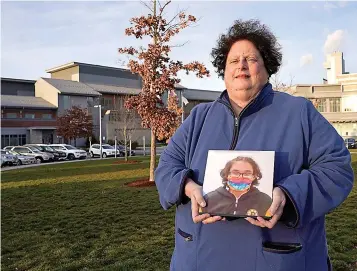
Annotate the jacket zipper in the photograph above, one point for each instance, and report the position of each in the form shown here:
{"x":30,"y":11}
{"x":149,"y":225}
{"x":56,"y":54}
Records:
{"x":236,"y":122}
{"x":236,"y":206}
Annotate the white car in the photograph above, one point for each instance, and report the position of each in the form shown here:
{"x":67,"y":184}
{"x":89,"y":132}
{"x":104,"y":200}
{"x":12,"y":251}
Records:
{"x":107,"y":150}
{"x":72,"y":152}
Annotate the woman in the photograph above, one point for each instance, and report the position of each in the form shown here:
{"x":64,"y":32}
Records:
{"x":312,"y":173}
{"x":238,"y":196}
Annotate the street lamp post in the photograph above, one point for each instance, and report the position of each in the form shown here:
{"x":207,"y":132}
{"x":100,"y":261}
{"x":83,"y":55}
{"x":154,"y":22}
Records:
{"x":100,"y":129}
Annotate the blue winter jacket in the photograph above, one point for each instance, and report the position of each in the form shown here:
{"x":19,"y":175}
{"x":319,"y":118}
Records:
{"x":312,"y":167}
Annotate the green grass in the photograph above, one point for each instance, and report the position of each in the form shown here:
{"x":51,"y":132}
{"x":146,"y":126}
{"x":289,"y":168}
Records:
{"x":80,"y":216}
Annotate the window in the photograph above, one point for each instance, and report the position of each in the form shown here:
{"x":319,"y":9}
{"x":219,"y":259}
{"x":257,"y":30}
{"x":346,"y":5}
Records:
{"x":11,"y":115}
{"x":14,"y":140}
{"x":107,"y":102}
{"x":5,"y":140}
{"x":114,"y":116}
{"x":22,"y":150}
{"x":47,"y":116}
{"x":29,"y":116}
{"x":322,"y":105}
{"x":69,"y":147}
{"x":58,"y":148}
{"x":335,"y":105}
{"x":22,"y":139}
{"x":66,"y":102}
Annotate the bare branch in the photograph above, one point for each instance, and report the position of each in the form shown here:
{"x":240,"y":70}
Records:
{"x":177,"y":14}
{"x":279,"y":85}
{"x":163,"y":8}
{"x":180,"y":45}
{"x":158,"y":1}
{"x":146,"y":5}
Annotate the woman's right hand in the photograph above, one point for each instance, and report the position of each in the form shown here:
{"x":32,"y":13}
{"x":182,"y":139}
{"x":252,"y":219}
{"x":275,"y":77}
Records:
{"x":194,"y":192}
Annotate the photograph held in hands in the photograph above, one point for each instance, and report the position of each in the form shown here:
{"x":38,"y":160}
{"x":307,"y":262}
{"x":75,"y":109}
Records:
{"x":238,"y":183}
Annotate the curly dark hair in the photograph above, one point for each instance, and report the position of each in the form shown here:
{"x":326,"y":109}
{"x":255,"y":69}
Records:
{"x":256,"y":170}
{"x":258,"y":34}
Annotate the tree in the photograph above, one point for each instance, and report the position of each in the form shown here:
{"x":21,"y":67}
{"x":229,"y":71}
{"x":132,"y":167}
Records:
{"x":158,"y":72}
{"x":74,"y":123}
{"x":279,"y":85}
{"x":125,"y":121}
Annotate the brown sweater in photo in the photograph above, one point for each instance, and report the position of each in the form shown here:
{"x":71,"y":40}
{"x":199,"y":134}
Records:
{"x":252,"y":203}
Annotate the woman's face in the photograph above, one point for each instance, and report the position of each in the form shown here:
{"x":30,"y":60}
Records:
{"x":245,"y":73}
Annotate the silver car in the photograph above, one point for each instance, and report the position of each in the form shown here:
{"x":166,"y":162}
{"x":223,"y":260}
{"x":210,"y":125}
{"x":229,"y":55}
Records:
{"x":41,"y":157}
{"x":24,"y":159}
{"x":8,"y":159}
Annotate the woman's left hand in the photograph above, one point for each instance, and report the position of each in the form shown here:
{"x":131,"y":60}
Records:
{"x":276,"y":210}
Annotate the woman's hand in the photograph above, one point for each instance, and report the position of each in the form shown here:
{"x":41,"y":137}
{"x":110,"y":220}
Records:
{"x":276,"y":210}
{"x":194,"y":192}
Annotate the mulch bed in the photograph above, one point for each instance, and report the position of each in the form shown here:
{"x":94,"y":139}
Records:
{"x":141,"y":183}
{"x":120,"y":162}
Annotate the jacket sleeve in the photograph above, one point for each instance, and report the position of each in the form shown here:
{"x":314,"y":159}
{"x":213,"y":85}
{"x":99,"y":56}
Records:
{"x":327,"y":177}
{"x":172,"y":172}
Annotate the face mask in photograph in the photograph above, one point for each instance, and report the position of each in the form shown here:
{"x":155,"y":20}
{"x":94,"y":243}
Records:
{"x":238,"y":183}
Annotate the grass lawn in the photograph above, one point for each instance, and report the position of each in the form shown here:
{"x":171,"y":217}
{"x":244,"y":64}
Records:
{"x":80,"y":216}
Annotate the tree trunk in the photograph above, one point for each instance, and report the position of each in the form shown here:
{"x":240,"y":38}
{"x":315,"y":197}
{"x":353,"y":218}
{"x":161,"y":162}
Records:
{"x":125,"y":145}
{"x":152,"y":156}
{"x":153,"y":138}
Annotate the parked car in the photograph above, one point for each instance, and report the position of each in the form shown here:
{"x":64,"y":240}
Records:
{"x":8,"y":148}
{"x":107,"y":150}
{"x":71,"y":152}
{"x":121,"y":149}
{"x":58,"y":155}
{"x":351,"y":143}
{"x":24,"y":159}
{"x":41,"y":157}
{"x":8,"y":159}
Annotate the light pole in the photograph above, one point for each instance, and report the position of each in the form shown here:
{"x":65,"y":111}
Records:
{"x":100,"y":129}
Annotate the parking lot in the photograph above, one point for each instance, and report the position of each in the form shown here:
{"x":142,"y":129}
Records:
{"x":33,"y":155}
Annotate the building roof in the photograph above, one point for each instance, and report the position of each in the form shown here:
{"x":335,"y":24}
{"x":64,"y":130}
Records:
{"x":18,"y":80}
{"x":316,"y":85}
{"x":111,"y":89}
{"x":25,"y":101}
{"x":179,"y":86}
{"x":114,"y":89}
{"x":72,"y":87}
{"x":202,"y":95}
{"x":74,"y":64}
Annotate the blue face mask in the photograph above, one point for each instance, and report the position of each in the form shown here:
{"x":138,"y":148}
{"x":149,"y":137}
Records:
{"x":238,"y":186}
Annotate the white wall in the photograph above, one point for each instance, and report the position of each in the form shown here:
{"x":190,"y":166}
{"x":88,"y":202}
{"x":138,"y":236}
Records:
{"x":349,"y":102}
{"x":346,"y":129}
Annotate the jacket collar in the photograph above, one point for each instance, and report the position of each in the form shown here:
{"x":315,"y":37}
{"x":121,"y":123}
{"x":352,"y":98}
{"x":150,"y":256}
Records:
{"x":254,"y":104}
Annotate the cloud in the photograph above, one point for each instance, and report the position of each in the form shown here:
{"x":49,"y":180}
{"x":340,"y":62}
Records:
{"x":334,"y":41}
{"x":329,"y":6}
{"x":342,"y":4}
{"x":306,"y":60}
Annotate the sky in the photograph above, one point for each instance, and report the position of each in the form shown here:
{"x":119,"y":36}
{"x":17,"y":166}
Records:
{"x":36,"y":36}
